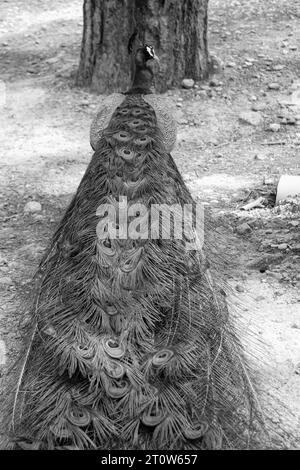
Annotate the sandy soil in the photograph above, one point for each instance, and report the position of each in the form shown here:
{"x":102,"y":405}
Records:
{"x":44,"y":126}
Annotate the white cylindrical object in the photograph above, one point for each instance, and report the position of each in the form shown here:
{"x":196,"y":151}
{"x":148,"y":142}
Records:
{"x":288,"y":185}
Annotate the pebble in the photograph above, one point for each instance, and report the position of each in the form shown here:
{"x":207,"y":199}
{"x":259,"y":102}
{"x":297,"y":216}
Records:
{"x":290,"y":120}
{"x":32,"y":206}
{"x":273,"y":86}
{"x":202,"y":93}
{"x":213,"y":82}
{"x":37,"y":217}
{"x":6,"y":280}
{"x":231,"y":64}
{"x":258,"y":106}
{"x":277,"y":276}
{"x":244,"y":228}
{"x":274,"y":127}
{"x":251,"y":118}
{"x":52,"y":60}
{"x":239,"y":288}
{"x":187,"y":83}
{"x":282,"y":246}
{"x":204,"y":87}
{"x":278,"y":67}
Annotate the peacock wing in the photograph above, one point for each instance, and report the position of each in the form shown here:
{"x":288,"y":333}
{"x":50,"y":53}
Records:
{"x":165,"y":121}
{"x":103,"y":116}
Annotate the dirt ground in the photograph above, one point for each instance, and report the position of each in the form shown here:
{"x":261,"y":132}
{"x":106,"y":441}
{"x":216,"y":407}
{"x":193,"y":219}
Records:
{"x":230,"y":151}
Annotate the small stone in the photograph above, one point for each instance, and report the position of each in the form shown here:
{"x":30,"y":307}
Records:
{"x":282,"y":246}
{"x":187,"y":83}
{"x":296,"y":247}
{"x":239,"y":288}
{"x":274,"y":127}
{"x":32,"y":206}
{"x":278,"y":67}
{"x":277,"y":276}
{"x":293,"y":48}
{"x":37,"y":217}
{"x":273,"y":86}
{"x":243,"y":229}
{"x":52,"y":60}
{"x":250,"y":118}
{"x":202,"y":93}
{"x":219,"y":155}
{"x":6,"y":281}
{"x":213,"y":82}
{"x":32,"y":70}
{"x":231,"y":64}
{"x":258,"y":107}
{"x":291,"y":120}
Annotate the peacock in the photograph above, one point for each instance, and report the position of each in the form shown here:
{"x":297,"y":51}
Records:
{"x":132,"y":345}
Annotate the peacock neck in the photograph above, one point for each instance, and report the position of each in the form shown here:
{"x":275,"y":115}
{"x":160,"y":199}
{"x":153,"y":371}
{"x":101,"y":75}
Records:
{"x":142,"y":81}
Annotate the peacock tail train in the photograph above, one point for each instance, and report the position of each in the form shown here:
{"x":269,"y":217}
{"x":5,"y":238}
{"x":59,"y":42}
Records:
{"x":133,"y":346}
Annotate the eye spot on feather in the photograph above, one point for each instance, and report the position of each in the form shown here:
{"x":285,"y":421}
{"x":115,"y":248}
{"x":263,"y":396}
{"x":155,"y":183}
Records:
{"x":115,"y":370}
{"x":114,"y":349}
{"x":122,"y":136}
{"x":110,"y":309}
{"x":78,"y":417}
{"x":142,"y":130}
{"x":118,"y":389}
{"x":123,"y":111}
{"x":135,"y":123}
{"x":126,"y":154}
{"x":142,"y":141}
{"x":162,"y":357}
{"x":137,"y":112}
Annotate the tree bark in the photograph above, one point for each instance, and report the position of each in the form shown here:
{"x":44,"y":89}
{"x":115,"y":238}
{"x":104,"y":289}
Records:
{"x":176,"y":28}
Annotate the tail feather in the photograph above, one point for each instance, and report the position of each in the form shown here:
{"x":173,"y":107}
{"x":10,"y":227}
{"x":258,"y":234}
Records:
{"x":134,"y":346}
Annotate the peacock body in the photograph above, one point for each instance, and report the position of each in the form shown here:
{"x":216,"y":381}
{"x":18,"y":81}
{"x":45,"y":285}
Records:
{"x":132,"y":344}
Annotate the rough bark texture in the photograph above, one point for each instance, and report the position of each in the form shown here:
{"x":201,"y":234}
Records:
{"x":176,"y":28}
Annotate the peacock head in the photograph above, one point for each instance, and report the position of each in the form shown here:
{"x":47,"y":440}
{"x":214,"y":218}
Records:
{"x":144,"y":54}
{"x":142,"y":70}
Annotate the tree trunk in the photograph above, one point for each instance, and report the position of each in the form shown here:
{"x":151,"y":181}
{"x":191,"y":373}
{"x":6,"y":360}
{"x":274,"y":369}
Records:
{"x":176,"y":28}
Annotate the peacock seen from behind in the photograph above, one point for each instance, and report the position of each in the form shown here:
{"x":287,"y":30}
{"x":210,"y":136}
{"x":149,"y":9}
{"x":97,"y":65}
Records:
{"x":132,"y":345}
